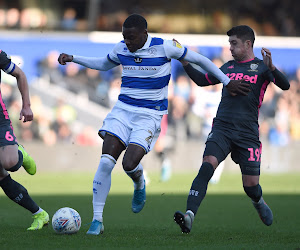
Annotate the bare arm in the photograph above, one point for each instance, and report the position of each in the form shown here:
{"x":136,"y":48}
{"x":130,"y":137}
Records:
{"x":26,"y":111}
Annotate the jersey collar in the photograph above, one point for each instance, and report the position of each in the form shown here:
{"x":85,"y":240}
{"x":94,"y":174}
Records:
{"x":249,"y":60}
{"x":147,"y":43}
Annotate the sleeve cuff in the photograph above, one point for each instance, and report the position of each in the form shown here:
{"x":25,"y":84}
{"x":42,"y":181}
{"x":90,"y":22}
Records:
{"x":226,"y":81}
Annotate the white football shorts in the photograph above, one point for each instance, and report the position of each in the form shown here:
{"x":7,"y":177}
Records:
{"x":137,"y":128}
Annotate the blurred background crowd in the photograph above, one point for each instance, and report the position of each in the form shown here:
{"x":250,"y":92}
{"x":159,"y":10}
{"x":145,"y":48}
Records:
{"x":191,"y":108}
{"x":267,"y":17}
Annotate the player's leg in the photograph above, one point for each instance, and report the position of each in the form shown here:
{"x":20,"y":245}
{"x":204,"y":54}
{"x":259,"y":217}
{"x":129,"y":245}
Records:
{"x":145,"y":129}
{"x":213,"y":155}
{"x":254,"y":191}
{"x":134,"y":169}
{"x":160,"y":149}
{"x":28,"y":163}
{"x":196,"y":194}
{"x":248,"y":155}
{"x":12,"y":155}
{"x":17,"y":193}
{"x":111,"y":150}
{"x":10,"y":159}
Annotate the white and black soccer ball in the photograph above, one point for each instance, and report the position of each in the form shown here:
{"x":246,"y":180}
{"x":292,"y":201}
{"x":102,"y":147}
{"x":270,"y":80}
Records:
{"x":66,"y":220}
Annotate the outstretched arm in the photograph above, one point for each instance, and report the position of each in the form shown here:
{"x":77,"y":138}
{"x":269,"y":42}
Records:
{"x":207,"y":65}
{"x":197,"y":76}
{"x":233,"y":87}
{"x":280,"y":80}
{"x":101,"y":63}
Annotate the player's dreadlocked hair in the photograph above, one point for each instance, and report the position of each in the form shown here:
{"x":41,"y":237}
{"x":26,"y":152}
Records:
{"x":242,"y":32}
{"x":135,"y":21}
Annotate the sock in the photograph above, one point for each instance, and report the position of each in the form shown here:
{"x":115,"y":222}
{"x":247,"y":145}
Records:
{"x":137,"y":176}
{"x":191,"y":213}
{"x":101,"y":185}
{"x":254,"y":192}
{"x":17,"y":193}
{"x":39,"y":211}
{"x":19,"y":163}
{"x":199,"y":187}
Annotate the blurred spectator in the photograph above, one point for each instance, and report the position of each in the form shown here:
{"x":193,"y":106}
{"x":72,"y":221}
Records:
{"x":87,"y":136}
{"x":49,"y":137}
{"x":96,"y":86}
{"x":49,"y":67}
{"x":114,"y":91}
{"x":69,"y":21}
{"x":268,"y":108}
{"x":279,"y":134}
{"x":13,"y":18}
{"x":71,"y":79}
{"x":179,"y":105}
{"x":32,"y":18}
{"x":2,"y":18}
{"x":65,"y":115}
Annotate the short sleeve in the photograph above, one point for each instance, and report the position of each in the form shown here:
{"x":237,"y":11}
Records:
{"x":113,"y":55}
{"x":5,"y":63}
{"x":174,"y":50}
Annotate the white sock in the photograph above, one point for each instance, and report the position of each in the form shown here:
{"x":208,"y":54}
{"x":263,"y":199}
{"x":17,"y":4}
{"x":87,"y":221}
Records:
{"x":101,"y":185}
{"x":137,"y":176}
{"x":39,"y":211}
{"x":190,"y":212}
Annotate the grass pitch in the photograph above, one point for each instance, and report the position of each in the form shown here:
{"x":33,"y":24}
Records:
{"x":225,"y":220}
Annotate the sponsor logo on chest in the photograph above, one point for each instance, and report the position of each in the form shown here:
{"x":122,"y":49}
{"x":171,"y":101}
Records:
{"x":140,"y":68}
{"x":241,"y":76}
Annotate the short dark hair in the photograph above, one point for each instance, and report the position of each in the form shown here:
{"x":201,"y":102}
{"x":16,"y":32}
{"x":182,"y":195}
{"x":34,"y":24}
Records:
{"x":135,"y":21}
{"x":242,"y":32}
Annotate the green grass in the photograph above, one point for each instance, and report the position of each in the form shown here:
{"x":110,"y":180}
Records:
{"x":226,"y":218}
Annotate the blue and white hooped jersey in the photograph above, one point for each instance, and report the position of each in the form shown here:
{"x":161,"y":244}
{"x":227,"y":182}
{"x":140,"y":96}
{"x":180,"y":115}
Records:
{"x":146,"y":74}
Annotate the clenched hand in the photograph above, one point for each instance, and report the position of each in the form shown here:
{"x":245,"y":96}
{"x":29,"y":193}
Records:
{"x":237,"y":87}
{"x":64,"y":58}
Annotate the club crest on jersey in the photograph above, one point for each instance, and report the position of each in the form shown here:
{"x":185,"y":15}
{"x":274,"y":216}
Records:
{"x":253,"y":67}
{"x":152,"y":51}
{"x":138,"y":60}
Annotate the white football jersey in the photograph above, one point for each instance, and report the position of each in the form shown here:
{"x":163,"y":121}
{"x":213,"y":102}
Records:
{"x":146,"y":74}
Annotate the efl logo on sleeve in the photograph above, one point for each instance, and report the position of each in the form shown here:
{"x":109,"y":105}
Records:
{"x":176,"y":44}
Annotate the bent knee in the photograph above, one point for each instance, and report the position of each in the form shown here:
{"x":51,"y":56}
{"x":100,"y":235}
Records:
{"x":212,"y":160}
{"x":9,"y":162}
{"x":128,"y":164}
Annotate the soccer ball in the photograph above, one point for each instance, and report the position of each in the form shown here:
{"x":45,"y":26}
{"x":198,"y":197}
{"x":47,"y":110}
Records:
{"x":66,"y":220}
